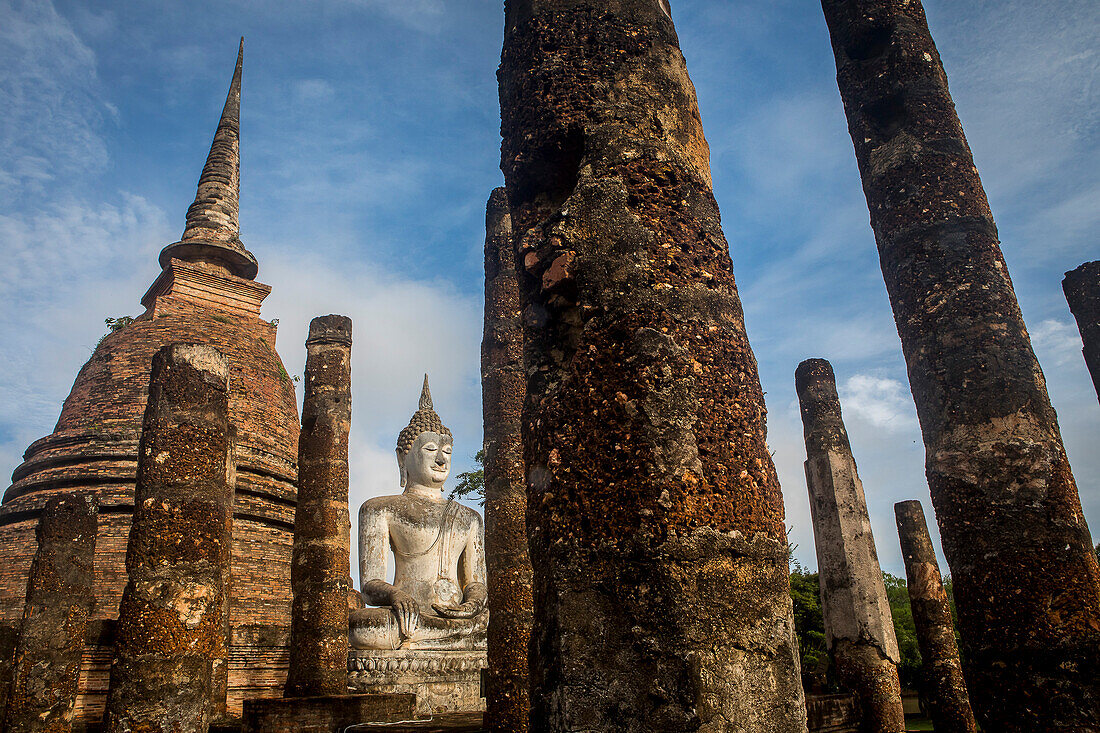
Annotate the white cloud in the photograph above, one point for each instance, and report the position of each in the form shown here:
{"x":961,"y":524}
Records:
{"x":312,"y":91}
{"x":68,"y":267}
{"x":1056,"y":343}
{"x":402,"y":327}
{"x":882,"y":402}
{"x":45,"y":247}
{"x":421,"y":15}
{"x":1061,"y":226}
{"x":782,"y":146}
{"x":50,"y":96}
{"x":1024,"y":86}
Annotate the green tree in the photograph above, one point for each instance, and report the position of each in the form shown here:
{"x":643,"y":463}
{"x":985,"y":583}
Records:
{"x":897,"y":593}
{"x":471,"y":484}
{"x":117,"y":324}
{"x":817,"y":669}
{"x":113,"y":325}
{"x":809,"y":624}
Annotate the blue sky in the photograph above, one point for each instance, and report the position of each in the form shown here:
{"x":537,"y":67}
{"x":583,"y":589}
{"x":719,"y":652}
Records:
{"x":370,"y":142}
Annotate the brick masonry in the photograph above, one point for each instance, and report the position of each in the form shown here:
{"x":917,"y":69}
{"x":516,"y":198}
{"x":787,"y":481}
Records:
{"x":94,"y":448}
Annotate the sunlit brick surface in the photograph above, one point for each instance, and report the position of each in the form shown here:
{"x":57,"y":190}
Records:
{"x":94,"y":448}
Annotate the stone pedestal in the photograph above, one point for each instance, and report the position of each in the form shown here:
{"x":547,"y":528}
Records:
{"x":324,"y":714}
{"x":443,"y":681}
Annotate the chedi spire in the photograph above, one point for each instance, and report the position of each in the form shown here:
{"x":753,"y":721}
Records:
{"x":212,"y":233}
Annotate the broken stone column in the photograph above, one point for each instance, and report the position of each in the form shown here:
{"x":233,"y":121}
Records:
{"x":55,"y":617}
{"x":507,"y":561}
{"x":1082,"y":289}
{"x":322,"y":524}
{"x":859,"y":628}
{"x":9,"y":635}
{"x":944,"y":686}
{"x":655,"y":518}
{"x":1027,"y":586}
{"x":171,"y":625}
{"x":219,"y":670}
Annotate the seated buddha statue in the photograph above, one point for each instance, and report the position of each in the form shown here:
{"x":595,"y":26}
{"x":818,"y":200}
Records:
{"x":438,"y":596}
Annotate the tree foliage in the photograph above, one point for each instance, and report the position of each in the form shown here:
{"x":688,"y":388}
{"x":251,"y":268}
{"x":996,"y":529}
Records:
{"x":817,"y":668}
{"x":471,"y":484}
{"x":897,"y":593}
{"x":113,"y":325}
{"x":117,"y":324}
{"x":809,"y":624}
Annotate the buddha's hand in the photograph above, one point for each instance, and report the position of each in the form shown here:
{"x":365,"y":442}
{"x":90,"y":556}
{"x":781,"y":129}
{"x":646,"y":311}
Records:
{"x":473,"y":603}
{"x":407,"y":611}
{"x":469,"y":609}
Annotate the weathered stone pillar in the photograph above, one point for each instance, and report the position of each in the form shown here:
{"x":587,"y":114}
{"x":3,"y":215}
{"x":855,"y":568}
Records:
{"x":507,"y":561}
{"x":944,"y":686}
{"x":9,"y":635}
{"x":655,"y":518}
{"x":1082,"y":289}
{"x":55,"y":617}
{"x":171,"y":619}
{"x":1027,"y":585}
{"x":322,"y":524}
{"x":859,"y":628}
{"x":219,"y":669}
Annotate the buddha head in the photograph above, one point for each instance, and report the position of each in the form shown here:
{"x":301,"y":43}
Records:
{"x":424,"y":447}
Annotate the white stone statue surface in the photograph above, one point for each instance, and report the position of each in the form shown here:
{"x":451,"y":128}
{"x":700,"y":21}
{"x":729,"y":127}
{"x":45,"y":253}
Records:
{"x":438,"y":596}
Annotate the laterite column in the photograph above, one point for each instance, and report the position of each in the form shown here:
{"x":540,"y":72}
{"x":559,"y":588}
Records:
{"x":1082,"y":289}
{"x":55,"y":617}
{"x":945,"y":687}
{"x":859,"y":627}
{"x":507,"y":561}
{"x":655,"y":517}
{"x":1026,"y":580}
{"x":171,"y":624}
{"x":322,"y":524}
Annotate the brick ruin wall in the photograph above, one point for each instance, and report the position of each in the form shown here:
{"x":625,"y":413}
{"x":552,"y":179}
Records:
{"x":94,"y":448}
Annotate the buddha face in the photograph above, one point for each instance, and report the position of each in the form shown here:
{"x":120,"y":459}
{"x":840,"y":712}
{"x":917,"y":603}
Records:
{"x":428,"y":462}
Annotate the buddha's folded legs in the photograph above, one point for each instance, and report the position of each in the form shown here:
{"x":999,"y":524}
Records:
{"x":377,"y":628}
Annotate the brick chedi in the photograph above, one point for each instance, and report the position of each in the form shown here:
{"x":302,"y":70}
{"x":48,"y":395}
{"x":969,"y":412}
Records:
{"x":1026,"y":580}
{"x":655,"y":518}
{"x":204,"y":294}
